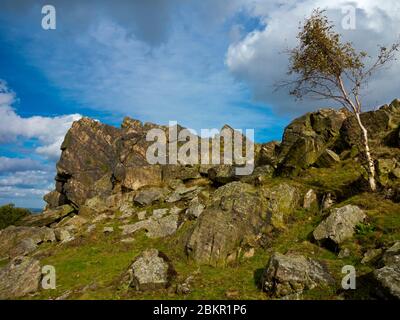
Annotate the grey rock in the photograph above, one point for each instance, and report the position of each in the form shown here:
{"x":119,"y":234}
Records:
{"x":310,"y":199}
{"x":195,"y":208}
{"x":48,"y":217}
{"x":19,"y":277}
{"x":150,"y":195}
{"x":340,"y":224}
{"x":327,"y":159}
{"x":151,"y":270}
{"x":371,"y":256}
{"x":292,"y":273}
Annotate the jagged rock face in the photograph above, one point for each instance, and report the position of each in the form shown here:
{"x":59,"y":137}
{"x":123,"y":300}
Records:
{"x":49,"y":216}
{"x":233,"y":220}
{"x":96,"y":156}
{"x":291,"y":273}
{"x":380,"y":124}
{"x":307,"y":137}
{"x":19,"y":277}
{"x":151,"y":270}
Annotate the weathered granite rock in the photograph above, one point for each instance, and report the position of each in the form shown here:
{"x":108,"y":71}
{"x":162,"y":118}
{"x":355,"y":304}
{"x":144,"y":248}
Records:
{"x":222,"y":174}
{"x":310,"y":199}
{"x":48,"y":217}
{"x":293,"y":273}
{"x":340,"y":224}
{"x":234,"y":219}
{"x":307,"y":137}
{"x":371,"y":255}
{"x":327,"y":159}
{"x":157,"y":226}
{"x":19,"y":277}
{"x":151,"y":270}
{"x":195,"y":208}
{"x":22,"y":240}
{"x":282,"y":200}
{"x":388,"y":277}
{"x":150,"y":195}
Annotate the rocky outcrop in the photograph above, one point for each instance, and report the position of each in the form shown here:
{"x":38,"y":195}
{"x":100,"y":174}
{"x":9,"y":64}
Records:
{"x":19,"y":277}
{"x":292,"y":274}
{"x":340,"y":225}
{"x":151,"y":270}
{"x":233,"y":220}
{"x":307,"y":137}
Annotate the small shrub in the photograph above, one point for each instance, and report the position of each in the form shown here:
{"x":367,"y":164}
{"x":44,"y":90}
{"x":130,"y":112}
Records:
{"x":10,"y":215}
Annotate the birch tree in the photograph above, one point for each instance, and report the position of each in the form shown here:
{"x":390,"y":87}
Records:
{"x":324,"y":67}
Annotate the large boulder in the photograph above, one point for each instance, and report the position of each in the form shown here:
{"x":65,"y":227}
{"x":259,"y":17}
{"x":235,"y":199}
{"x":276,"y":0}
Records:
{"x":339,"y":225}
{"x":282,"y":200}
{"x":233,"y":221}
{"x":292,"y":274}
{"x":23,"y":240}
{"x":388,"y":277}
{"x":151,"y":270}
{"x":307,"y":137}
{"x":19,"y":277}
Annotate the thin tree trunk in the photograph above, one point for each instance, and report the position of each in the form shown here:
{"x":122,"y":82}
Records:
{"x":370,"y":161}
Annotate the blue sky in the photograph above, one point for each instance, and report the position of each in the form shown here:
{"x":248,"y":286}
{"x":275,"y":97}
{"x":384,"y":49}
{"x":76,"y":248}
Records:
{"x":201,"y":63}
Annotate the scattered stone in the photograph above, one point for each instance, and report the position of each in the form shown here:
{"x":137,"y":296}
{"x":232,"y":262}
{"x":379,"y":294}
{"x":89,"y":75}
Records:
{"x":183,"y":193}
{"x":293,"y":273}
{"x":195,"y":208}
{"x":184,"y":287}
{"x":108,"y":229}
{"x":155,"y":227}
{"x":371,"y":256}
{"x":159,"y":213}
{"x":340,"y":224}
{"x":128,"y":240}
{"x":19,"y":277}
{"x":344,"y":253}
{"x":100,"y":217}
{"x":328,"y":201}
{"x":310,"y":199}
{"x":392,"y":255}
{"x":90,"y":228}
{"x":63,"y":235}
{"x":148,"y":196}
{"x":222,"y":173}
{"x":249,"y":253}
{"x":151,"y":270}
{"x":141,"y":215}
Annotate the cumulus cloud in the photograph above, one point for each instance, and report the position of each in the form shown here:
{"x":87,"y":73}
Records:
{"x":49,"y":131}
{"x":258,"y":59}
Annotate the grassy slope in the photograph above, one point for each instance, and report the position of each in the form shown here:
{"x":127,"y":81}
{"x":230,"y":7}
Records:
{"x":99,"y":260}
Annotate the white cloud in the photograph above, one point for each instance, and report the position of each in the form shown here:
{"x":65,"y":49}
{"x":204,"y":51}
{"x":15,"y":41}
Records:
{"x":258,"y":59}
{"x":18,"y":164}
{"x":49,"y":131}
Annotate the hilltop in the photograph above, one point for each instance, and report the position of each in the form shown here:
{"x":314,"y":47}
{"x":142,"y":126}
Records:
{"x":116,"y":227}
